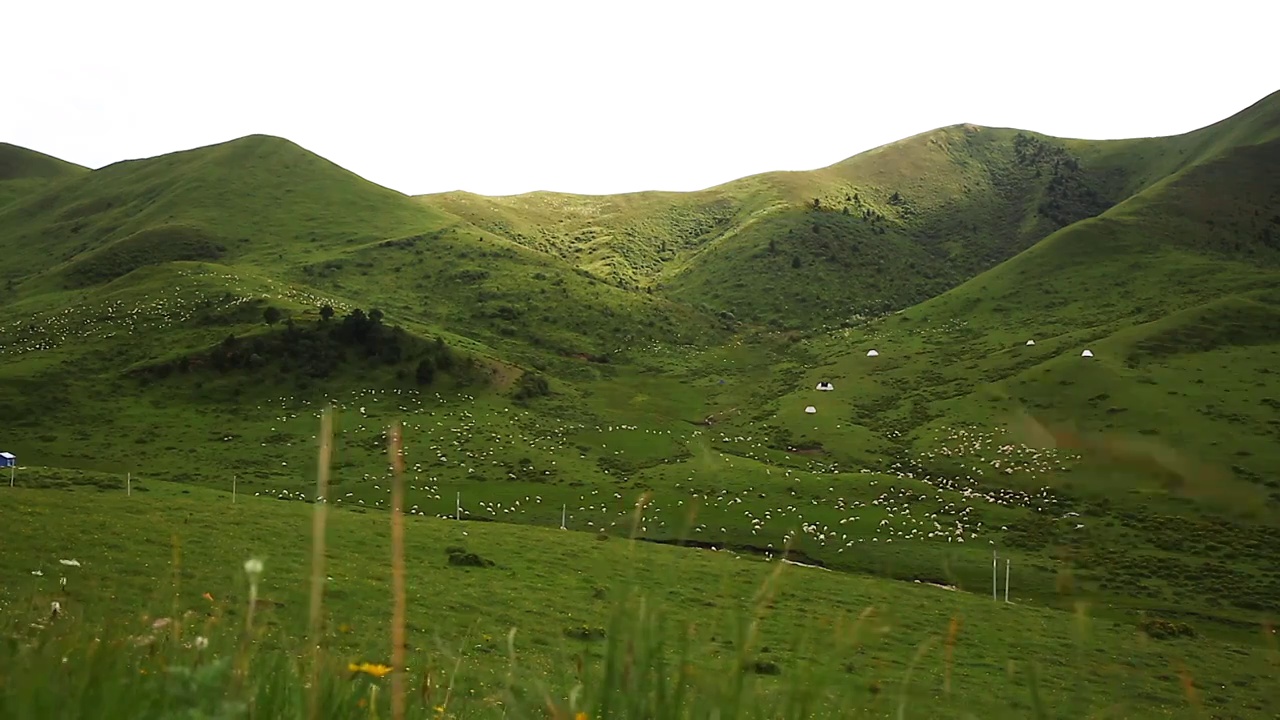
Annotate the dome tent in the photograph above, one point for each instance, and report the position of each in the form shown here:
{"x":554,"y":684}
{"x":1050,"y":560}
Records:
{"x":811,"y":410}
{"x":826,"y":386}
{"x":1087,"y":353}
{"x":873,"y":353}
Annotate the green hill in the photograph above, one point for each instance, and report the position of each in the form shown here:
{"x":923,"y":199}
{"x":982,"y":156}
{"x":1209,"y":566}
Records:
{"x":553,"y":357}
{"x":879,"y":231}
{"x":19,"y":163}
{"x":266,"y":206}
{"x":1170,"y":289}
{"x":23,"y":172}
{"x":256,"y":196}
{"x":1174,"y":293}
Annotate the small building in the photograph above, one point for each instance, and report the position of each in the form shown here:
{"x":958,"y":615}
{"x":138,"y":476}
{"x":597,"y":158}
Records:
{"x":826,"y":386}
{"x":8,"y":460}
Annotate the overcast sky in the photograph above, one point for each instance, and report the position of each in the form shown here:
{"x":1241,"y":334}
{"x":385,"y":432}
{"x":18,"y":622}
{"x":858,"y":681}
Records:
{"x":608,"y":96}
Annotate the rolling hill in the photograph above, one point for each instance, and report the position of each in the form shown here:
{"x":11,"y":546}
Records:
{"x":24,"y":172}
{"x":264,"y":205}
{"x":554,"y":357}
{"x":904,"y":222}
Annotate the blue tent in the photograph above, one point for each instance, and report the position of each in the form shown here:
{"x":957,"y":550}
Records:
{"x":8,"y":460}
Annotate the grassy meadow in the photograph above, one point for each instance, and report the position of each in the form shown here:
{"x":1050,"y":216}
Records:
{"x":157,"y":570}
{"x":606,"y":445}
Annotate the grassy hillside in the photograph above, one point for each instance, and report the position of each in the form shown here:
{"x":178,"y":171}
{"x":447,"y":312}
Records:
{"x":1177,"y":281}
{"x":1174,"y":293}
{"x":262,"y":205}
{"x":905,"y":221}
{"x":183,"y":319}
{"x":23,"y":172}
{"x":1138,"y":163}
{"x":19,"y":163}
{"x":254,"y":198}
{"x":161,"y":551}
{"x":879,"y":231}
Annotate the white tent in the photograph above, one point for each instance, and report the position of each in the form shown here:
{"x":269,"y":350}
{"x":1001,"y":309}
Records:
{"x":1087,"y":353}
{"x":1031,"y":342}
{"x":826,"y":386}
{"x":872,"y":353}
{"x":811,"y":409}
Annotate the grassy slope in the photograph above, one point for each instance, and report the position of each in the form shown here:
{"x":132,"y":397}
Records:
{"x":1174,"y":292}
{"x":731,"y":248}
{"x":547,"y":582}
{"x":1185,"y":265}
{"x":264,"y":206}
{"x":968,"y":198}
{"x":24,"y":172}
{"x":256,"y":197}
{"x":1141,"y":162}
{"x":627,"y":240}
{"x":19,"y":163}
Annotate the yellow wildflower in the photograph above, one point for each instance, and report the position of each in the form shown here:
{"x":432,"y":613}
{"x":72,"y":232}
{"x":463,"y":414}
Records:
{"x":374,"y":669}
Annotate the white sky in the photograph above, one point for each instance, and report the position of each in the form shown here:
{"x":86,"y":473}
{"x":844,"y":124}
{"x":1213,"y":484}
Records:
{"x":609,"y":96}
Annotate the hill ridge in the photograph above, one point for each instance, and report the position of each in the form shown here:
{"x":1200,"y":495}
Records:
{"x":1268,"y":104}
{"x":17,"y":162}
{"x":25,"y":172}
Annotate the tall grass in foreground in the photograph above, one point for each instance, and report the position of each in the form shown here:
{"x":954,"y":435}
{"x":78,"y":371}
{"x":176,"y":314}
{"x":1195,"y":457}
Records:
{"x":210,"y":667}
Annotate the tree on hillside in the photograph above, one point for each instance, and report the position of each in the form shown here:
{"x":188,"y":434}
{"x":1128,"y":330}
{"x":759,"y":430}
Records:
{"x":531,"y":385}
{"x":795,"y":261}
{"x":425,"y":372}
{"x":271,"y":315}
{"x":444,"y":356}
{"x":326,"y":313}
{"x":355,"y":325}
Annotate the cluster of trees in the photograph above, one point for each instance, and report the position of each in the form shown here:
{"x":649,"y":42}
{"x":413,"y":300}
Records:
{"x":1071,"y":194}
{"x":358,"y":339}
{"x":855,"y":207}
{"x":319,"y":349}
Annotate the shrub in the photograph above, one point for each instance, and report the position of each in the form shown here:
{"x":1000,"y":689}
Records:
{"x":1158,"y":629}
{"x":462,"y":558}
